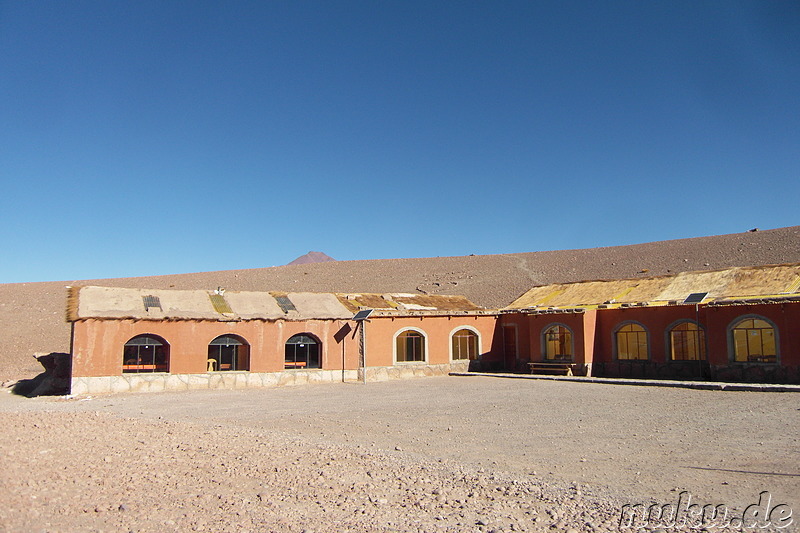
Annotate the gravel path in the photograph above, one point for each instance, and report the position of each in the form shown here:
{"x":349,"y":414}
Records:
{"x":433,"y":454}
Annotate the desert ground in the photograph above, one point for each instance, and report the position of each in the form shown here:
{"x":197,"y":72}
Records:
{"x":429,"y":454}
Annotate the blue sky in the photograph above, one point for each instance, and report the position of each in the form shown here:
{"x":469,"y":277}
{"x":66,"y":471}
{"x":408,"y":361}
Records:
{"x":158,"y":137}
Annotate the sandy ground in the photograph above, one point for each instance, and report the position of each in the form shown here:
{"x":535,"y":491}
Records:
{"x":32,"y":315}
{"x":432,"y":454}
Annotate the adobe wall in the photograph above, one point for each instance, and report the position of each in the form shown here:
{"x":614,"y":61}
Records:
{"x":381,"y":333}
{"x":98,"y":347}
{"x":531,"y":327}
{"x":785,"y":317}
{"x":716,"y":321}
{"x":98,"y":344}
{"x":593,"y":336}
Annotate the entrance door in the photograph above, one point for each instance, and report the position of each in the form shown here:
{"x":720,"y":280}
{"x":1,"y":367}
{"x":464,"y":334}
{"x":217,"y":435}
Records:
{"x":510,"y":347}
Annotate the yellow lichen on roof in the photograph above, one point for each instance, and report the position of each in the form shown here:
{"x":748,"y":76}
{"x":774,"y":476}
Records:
{"x":779,"y":279}
{"x":407,"y":302}
{"x":730,"y":283}
{"x":438,"y":302}
{"x":354,"y":302}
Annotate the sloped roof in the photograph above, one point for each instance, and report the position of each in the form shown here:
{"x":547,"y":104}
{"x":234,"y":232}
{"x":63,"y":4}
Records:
{"x":402,"y":302}
{"x":725,"y":284}
{"x":167,"y":304}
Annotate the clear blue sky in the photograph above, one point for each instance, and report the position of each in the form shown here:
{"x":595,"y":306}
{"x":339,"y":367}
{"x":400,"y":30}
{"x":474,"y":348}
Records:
{"x":157,"y":137}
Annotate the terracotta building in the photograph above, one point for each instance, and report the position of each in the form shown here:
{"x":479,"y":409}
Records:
{"x":139,"y":339}
{"x":737,"y":324}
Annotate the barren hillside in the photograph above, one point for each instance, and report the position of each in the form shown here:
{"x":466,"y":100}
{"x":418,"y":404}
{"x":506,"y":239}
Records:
{"x":32,"y":314}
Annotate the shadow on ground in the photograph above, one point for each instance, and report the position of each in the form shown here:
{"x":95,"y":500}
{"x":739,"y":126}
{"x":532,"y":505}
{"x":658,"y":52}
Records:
{"x":54,"y":381}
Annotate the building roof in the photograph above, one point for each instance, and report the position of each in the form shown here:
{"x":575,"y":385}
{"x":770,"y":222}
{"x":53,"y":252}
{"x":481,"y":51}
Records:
{"x":167,"y":304}
{"x":738,"y":283}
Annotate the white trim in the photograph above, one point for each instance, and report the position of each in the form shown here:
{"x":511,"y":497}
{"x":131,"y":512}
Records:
{"x":473,"y":330}
{"x":394,"y":346}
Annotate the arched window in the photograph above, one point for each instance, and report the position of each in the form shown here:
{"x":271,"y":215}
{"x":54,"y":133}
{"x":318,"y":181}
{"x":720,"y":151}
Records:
{"x":631,"y":342}
{"x":558,"y":343}
{"x":754,"y":341}
{"x":410,"y":345}
{"x":465,"y":345}
{"x":228,"y":352}
{"x":302,"y":351}
{"x":145,"y":353}
{"x":687,"y":342}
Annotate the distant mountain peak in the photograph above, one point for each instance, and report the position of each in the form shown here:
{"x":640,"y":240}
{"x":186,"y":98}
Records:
{"x":312,"y":257}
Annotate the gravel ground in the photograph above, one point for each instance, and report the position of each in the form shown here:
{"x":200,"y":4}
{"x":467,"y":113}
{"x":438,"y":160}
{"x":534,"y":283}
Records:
{"x":432,"y":454}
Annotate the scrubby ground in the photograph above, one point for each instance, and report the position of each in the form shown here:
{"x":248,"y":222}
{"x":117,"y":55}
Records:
{"x":433,"y":454}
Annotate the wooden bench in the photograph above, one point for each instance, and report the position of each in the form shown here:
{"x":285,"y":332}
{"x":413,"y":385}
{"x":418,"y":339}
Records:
{"x":542,"y":367}
{"x":141,"y":368}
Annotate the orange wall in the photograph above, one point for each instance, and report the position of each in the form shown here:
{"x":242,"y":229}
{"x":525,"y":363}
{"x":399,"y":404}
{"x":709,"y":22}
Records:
{"x":530,"y":328}
{"x":98,"y":344}
{"x":381,"y":333}
{"x":785,"y":317}
{"x":595,"y":328}
{"x":656,"y":320}
{"x":715,"y":321}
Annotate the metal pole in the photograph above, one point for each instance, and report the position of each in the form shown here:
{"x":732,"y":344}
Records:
{"x":363,"y":348}
{"x":697,"y":340}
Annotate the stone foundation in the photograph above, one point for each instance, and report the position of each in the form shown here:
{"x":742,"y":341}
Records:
{"x":245,"y":380}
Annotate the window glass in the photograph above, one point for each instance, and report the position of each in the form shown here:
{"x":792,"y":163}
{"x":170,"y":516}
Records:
{"x":410,"y":347}
{"x":465,"y":345}
{"x":228,"y":352}
{"x":754,"y":341}
{"x":558,"y":343}
{"x":687,"y":342}
{"x":631,"y":342}
{"x":145,"y":353}
{"x":302,"y":351}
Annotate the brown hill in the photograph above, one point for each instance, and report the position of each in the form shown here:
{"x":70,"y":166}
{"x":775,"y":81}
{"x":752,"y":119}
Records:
{"x":312,"y":257}
{"x":32,"y":314}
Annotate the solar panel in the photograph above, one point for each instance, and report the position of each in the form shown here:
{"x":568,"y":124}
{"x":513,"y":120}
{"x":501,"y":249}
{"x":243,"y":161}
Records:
{"x":363,"y":314}
{"x":220,"y":304}
{"x":794,"y":287}
{"x":695,"y":298}
{"x":285,"y":304}
{"x":151,"y":301}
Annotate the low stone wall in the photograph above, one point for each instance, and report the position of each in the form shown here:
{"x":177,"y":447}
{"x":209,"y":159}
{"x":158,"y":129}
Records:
{"x":244,"y":380}
{"x":412,"y":370}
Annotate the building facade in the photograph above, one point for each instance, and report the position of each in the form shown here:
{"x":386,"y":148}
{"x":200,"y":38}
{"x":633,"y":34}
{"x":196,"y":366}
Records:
{"x":739,"y":324}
